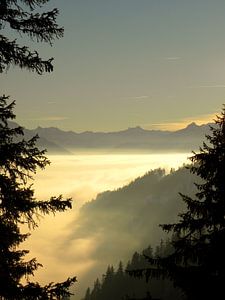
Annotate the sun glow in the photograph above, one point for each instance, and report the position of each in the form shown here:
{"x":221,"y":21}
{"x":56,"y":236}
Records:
{"x":82,"y":177}
{"x":173,"y":126}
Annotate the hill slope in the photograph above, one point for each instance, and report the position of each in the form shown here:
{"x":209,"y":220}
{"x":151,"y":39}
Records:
{"x":119,"y":222}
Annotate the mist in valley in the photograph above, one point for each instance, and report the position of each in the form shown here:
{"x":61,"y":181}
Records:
{"x":118,"y":203}
{"x":136,"y":88}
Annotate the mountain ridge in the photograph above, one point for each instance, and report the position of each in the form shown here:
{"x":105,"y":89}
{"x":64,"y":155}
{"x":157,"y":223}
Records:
{"x":130,"y":139}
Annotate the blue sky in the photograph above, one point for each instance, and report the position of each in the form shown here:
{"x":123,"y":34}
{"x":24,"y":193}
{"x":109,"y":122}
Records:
{"x":123,"y":63}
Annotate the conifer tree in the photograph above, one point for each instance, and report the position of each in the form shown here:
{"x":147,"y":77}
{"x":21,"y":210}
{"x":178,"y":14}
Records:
{"x":120,"y":269}
{"x":19,"y":160}
{"x":26,"y":18}
{"x":87,"y":294}
{"x":197,"y":262}
{"x":96,"y":292}
{"x":107,"y":277}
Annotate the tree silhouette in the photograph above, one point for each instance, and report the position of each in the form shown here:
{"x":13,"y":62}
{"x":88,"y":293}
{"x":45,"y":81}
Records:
{"x":24,"y":17}
{"x":197,"y":262}
{"x":19,"y":160}
{"x":118,"y":285}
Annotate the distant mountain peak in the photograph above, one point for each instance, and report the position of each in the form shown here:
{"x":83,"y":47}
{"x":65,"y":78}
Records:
{"x":136,"y":129}
{"x":132,"y":139}
{"x":192,"y":125}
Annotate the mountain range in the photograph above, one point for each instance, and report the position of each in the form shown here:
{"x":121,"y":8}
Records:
{"x":58,"y":141}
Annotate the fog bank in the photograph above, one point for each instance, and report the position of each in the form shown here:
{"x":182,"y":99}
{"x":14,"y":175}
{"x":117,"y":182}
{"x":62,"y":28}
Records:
{"x":82,"y":177}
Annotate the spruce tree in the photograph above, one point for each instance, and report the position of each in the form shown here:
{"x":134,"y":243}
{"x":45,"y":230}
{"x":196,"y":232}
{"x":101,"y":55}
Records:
{"x":97,"y":290}
{"x":19,"y":160}
{"x":197,"y":262}
{"x":87,"y":294}
{"x":27,"y":18}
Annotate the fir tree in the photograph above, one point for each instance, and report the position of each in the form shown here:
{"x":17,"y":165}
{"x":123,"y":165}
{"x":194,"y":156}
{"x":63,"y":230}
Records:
{"x":107,"y":277}
{"x":96,"y":292}
{"x":88,"y":294}
{"x":120,"y":269}
{"x":19,"y":160}
{"x":197,"y":263}
{"x":120,"y":286}
{"x":24,"y":17}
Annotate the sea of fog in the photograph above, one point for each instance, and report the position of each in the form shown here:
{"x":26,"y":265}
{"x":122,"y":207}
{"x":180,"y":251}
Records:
{"x":82,"y":177}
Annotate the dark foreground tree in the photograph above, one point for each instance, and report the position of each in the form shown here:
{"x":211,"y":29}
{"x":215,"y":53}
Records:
{"x":19,"y":160}
{"x":197,"y":263}
{"x":25,"y":18}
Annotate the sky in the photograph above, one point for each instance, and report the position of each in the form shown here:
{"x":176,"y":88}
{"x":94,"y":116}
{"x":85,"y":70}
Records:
{"x":158,"y":64}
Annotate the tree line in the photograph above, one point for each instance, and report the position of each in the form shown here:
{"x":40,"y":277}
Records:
{"x":195,"y":265}
{"x":117,"y":284}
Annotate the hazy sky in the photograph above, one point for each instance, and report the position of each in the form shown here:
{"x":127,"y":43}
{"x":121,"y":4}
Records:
{"x":123,"y":63}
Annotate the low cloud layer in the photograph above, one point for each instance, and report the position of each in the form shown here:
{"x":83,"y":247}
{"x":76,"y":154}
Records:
{"x":83,"y":241}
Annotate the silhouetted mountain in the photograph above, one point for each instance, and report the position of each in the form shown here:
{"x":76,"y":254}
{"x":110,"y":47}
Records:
{"x":132,"y":139}
{"x":42,"y":142}
{"x":136,"y":138}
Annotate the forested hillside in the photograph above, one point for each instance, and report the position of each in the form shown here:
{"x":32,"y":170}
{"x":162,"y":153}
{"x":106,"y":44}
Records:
{"x":118,"y":223}
{"x":117,"y":284}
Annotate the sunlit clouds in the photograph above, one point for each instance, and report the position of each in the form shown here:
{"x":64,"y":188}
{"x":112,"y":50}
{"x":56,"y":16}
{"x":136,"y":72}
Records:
{"x":85,"y":175}
{"x":82,"y":177}
{"x":173,"y":126}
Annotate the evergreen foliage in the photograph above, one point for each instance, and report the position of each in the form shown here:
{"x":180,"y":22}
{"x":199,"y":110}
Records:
{"x":19,"y":160}
{"x":118,"y":285}
{"x":24,"y":17}
{"x":197,"y":262}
